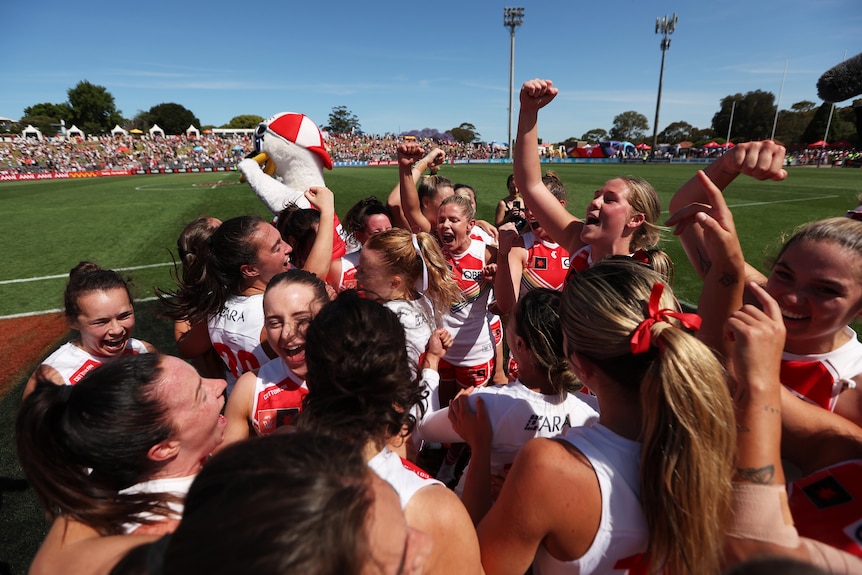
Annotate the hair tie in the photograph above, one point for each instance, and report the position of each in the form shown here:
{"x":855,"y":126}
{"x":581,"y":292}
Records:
{"x":65,"y":393}
{"x":642,"y":338}
{"x":421,"y":284}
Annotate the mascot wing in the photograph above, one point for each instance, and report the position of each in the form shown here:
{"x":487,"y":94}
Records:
{"x":274,"y":194}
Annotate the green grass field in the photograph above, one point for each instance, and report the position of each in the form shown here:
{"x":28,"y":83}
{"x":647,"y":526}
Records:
{"x":46,"y":227}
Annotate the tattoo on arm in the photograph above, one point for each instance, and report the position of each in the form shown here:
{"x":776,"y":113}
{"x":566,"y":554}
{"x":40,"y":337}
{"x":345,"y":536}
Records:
{"x":760,"y":476}
{"x":728,"y":279}
{"x":705,"y":263}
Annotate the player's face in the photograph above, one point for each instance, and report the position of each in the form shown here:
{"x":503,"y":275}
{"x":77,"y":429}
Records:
{"x":608,"y":214}
{"x":817,"y":284}
{"x":106,"y":321}
{"x":396,"y":549}
{"x":374,"y":224}
{"x":288,"y":309}
{"x":273,"y":253}
{"x":432,"y":207}
{"x":374,"y":277}
{"x":194,"y":405}
{"x":453,"y":228}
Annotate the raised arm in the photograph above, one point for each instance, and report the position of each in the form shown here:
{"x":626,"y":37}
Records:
{"x":563,"y":227}
{"x":394,"y":202}
{"x":320,"y":257}
{"x":760,"y":160}
{"x":511,"y":259}
{"x":723,"y":282}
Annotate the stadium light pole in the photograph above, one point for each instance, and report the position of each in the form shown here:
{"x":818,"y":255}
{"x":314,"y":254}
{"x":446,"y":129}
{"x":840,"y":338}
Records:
{"x":512,"y":18}
{"x":664,"y":26}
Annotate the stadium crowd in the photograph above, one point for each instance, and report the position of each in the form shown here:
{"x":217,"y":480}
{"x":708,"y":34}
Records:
{"x":349,"y":407}
{"x":30,"y":155}
{"x":129,"y":152}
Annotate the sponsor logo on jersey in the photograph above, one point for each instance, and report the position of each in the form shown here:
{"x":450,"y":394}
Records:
{"x":540,"y":263}
{"x":553,"y":424}
{"x":88,"y":366}
{"x":234,"y":315}
{"x":473,"y":275}
{"x":827,"y":493}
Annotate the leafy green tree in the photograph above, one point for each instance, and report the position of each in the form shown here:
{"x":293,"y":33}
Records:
{"x":676,"y":132}
{"x":753,"y":115}
{"x":629,"y":126}
{"x":93,"y":108}
{"x":595,"y":135}
{"x":342,"y":121}
{"x":704,"y":135}
{"x":803,"y":106}
{"x":465,"y":133}
{"x":174,"y":119}
{"x":244,"y":121}
{"x":56,"y":111}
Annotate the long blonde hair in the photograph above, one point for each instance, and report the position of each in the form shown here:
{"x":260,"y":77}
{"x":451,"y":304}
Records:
{"x":688,"y":432}
{"x":400,"y":256}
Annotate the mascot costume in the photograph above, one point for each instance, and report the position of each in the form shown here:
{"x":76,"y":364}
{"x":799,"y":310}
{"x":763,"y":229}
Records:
{"x":290,"y":157}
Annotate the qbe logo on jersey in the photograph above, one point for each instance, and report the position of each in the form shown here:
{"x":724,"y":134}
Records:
{"x":473,"y":275}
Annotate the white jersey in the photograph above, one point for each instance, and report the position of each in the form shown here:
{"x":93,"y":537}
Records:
{"x":178,"y":486}
{"x":417,"y":317}
{"x":622,"y":536}
{"x":405,"y":477}
{"x":517,"y":414}
{"x":235,"y":334}
{"x":820,"y":378}
{"x":73,"y":363}
{"x":468,"y":320}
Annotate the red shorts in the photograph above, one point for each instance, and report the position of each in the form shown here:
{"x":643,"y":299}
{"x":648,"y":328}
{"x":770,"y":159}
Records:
{"x":467,"y":376}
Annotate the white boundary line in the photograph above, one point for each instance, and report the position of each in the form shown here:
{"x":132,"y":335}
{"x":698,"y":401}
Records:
{"x":47,"y":311}
{"x":41,"y":278}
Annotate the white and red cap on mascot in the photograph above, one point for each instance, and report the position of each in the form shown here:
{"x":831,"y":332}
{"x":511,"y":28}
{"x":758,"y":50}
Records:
{"x":296,"y":128}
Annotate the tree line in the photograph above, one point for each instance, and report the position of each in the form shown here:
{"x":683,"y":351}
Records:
{"x":93,"y":110}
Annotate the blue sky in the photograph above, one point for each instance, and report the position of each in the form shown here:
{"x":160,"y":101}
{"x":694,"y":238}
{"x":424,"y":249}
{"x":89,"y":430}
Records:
{"x":410,"y":65}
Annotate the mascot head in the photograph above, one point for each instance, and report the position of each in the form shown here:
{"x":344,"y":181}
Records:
{"x":296,"y":129}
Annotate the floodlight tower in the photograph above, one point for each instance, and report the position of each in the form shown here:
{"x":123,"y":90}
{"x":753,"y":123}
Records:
{"x":664,"y":26}
{"x":512,"y":18}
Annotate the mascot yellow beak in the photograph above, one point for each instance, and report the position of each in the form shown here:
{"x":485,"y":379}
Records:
{"x":266,"y":164}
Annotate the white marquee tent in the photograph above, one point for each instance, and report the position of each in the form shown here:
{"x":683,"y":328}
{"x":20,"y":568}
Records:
{"x":31,"y":131}
{"x":156,"y":129}
{"x":118,"y":130}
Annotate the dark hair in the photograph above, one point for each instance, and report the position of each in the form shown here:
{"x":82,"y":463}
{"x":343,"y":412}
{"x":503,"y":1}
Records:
{"x":87,"y":277}
{"x":286,"y":503}
{"x":216,"y":273}
{"x":359,"y":380}
{"x":537,"y":321}
{"x":302,"y":277}
{"x":296,"y":226}
{"x":80,"y":445}
{"x":359,"y":212}
{"x":192,"y":238}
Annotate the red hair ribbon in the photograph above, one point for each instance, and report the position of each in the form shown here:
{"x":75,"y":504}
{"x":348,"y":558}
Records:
{"x":641,"y":338}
